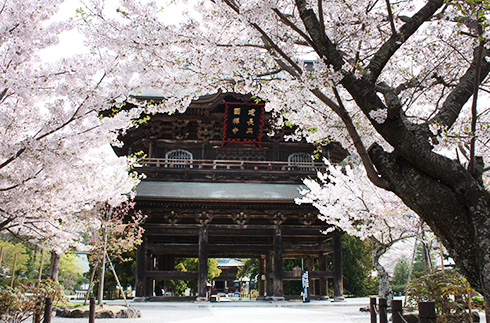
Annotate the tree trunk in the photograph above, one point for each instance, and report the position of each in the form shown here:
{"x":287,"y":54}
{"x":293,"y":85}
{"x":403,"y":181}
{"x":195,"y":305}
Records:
{"x":454,"y":204}
{"x":385,"y":290}
{"x":384,"y":286}
{"x":54,"y":268}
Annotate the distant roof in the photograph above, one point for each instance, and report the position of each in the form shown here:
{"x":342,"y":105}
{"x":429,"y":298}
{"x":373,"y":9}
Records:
{"x":218,"y":191}
{"x":229,"y":262}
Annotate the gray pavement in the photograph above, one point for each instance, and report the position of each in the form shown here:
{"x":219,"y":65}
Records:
{"x":243,"y":312}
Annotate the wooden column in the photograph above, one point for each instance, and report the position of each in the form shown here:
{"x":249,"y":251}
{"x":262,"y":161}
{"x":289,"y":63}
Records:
{"x":203,"y":263}
{"x":322,"y":262}
{"x":262,"y":277}
{"x":149,"y":266}
{"x":310,"y":267}
{"x":140,"y":269}
{"x":338,"y":288}
{"x":151,"y":147}
{"x":278,"y":283}
{"x":269,"y":275}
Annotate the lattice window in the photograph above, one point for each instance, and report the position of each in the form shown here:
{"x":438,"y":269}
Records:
{"x":179,"y":158}
{"x":301,"y":161}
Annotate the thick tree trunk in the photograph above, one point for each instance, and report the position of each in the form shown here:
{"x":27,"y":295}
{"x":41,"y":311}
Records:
{"x":54,"y":269}
{"x":384,"y":286}
{"x":456,"y":207}
{"x":385,"y":290}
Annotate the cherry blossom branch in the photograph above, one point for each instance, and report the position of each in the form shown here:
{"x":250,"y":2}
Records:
{"x":392,"y":100}
{"x":242,"y":45}
{"x":321,"y":18}
{"x":9,"y":219}
{"x":388,"y":49}
{"x":390,"y":17}
{"x":281,"y":53}
{"x":56,"y":129}
{"x":17,"y":154}
{"x":341,"y":111}
{"x":293,"y":26}
{"x":461,"y":93}
{"x":326,"y":48}
{"x":21,"y":183}
{"x":474,"y":111}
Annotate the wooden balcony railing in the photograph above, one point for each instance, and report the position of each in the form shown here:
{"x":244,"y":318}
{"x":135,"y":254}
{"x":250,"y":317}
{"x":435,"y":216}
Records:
{"x":260,"y":166}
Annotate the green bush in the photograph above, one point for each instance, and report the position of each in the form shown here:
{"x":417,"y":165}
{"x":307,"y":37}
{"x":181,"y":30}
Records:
{"x":478,"y":301}
{"x":399,"y":289}
{"x":19,"y":303}
{"x":448,"y":289}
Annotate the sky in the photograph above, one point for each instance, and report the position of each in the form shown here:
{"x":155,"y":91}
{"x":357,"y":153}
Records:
{"x":72,"y":42}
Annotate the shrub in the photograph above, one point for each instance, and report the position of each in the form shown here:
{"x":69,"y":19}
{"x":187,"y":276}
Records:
{"x":448,"y":289}
{"x":398,"y":289}
{"x":19,"y":303}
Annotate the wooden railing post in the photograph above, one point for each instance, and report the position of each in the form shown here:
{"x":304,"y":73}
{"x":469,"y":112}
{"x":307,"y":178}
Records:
{"x":396,"y":311}
{"x":37,"y":312}
{"x":91,"y":313}
{"x":427,"y":312}
{"x":383,"y":310}
{"x":48,"y":307}
{"x":372,"y":309}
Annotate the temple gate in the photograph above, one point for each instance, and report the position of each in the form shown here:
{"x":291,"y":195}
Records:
{"x":221,"y":183}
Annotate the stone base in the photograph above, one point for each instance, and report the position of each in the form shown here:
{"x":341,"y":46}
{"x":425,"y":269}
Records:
{"x":100,"y":314}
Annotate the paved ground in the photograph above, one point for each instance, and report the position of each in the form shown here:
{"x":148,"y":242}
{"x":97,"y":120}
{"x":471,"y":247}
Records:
{"x":244,"y":312}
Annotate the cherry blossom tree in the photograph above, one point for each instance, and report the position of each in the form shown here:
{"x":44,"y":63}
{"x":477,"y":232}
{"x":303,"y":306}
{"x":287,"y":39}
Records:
{"x":52,"y":161}
{"x":349,"y":201}
{"x":114,"y":231}
{"x":392,"y":82}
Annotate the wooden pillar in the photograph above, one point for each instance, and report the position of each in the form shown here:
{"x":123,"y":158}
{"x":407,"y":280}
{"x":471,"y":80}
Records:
{"x":151,"y":147}
{"x":373,"y":309}
{"x":262,"y":277}
{"x":278,"y":283}
{"x":148,"y":289}
{"x":322,"y":263}
{"x":203,"y":263}
{"x":338,"y":288}
{"x":310,"y":267}
{"x":397,"y":311}
{"x":140,"y":269}
{"x":269,"y":275}
{"x":383,"y":310}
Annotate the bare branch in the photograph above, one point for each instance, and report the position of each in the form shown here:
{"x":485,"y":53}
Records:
{"x":390,"y":17}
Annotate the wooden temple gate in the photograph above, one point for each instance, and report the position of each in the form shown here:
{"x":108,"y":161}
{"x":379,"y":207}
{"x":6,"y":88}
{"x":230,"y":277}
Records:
{"x":235,"y":200}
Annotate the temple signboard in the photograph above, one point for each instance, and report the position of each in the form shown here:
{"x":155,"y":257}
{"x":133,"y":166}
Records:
{"x":243,"y":123}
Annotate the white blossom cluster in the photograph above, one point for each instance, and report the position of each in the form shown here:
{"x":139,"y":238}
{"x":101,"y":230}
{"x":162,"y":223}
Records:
{"x":50,"y":126}
{"x":379,"y":115}
{"x":347,"y":200}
